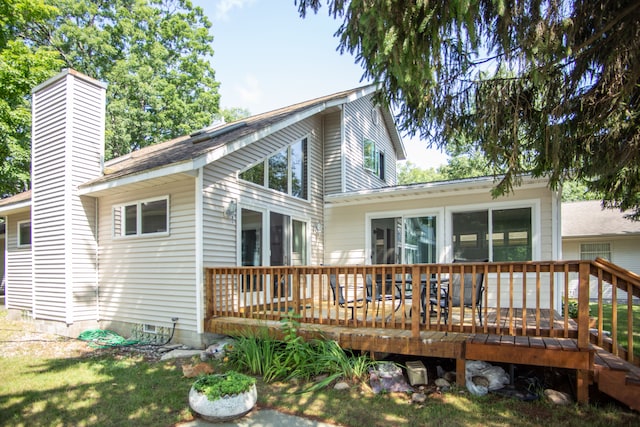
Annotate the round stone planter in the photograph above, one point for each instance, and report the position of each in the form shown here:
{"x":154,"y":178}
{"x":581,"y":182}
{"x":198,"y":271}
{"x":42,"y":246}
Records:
{"x":224,"y":409}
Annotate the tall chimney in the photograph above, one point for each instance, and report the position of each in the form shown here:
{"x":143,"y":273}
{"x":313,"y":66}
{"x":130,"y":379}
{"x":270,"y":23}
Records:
{"x":67,"y":149}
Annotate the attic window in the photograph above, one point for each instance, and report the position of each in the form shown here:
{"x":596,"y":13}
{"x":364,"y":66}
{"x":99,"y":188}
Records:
{"x":373,"y":158}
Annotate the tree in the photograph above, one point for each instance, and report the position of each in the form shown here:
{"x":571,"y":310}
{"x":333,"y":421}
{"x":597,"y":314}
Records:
{"x":154,"y":55}
{"x":21,"y":68}
{"x":547,"y":87}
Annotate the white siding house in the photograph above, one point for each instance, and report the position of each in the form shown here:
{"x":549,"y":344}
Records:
{"x":123,"y":244}
{"x":589,"y":231}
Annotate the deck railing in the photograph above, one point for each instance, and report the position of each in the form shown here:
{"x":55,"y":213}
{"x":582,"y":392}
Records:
{"x":518,"y":298}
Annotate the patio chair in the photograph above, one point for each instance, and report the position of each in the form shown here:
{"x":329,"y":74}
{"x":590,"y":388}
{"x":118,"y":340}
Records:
{"x":455,"y":287}
{"x":351,"y":302}
{"x":386,"y":290}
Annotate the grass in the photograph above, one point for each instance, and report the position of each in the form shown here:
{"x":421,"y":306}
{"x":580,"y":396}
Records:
{"x":607,"y":312}
{"x":96,"y":388}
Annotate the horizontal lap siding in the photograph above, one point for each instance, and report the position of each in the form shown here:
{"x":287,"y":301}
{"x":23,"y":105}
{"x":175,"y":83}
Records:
{"x":68,"y":147}
{"x":49,"y":227}
{"x":19,"y":288}
{"x":345,"y":237}
{"x":333,"y":153}
{"x":359,"y":126}
{"x":86,"y":156}
{"x":221,"y":186}
{"x":150,"y":279}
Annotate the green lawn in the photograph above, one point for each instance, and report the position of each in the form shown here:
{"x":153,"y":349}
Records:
{"x":92,"y":389}
{"x":622,"y":323}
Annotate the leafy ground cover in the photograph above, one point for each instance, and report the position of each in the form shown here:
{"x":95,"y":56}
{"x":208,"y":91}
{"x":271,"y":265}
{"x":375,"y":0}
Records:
{"x":53,"y":381}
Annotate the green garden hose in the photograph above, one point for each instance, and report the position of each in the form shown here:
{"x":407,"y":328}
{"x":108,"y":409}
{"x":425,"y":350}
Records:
{"x":103,"y":338}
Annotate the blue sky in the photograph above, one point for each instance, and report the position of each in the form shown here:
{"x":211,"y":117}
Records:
{"x":266,"y":57}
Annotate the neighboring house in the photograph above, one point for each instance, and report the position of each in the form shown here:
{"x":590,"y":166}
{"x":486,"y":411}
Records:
{"x":589,"y":231}
{"x":2,"y":252}
{"x":123,"y":244}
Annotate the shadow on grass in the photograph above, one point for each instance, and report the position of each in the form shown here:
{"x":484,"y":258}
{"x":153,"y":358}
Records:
{"x":105,"y":391}
{"x":457,"y":407}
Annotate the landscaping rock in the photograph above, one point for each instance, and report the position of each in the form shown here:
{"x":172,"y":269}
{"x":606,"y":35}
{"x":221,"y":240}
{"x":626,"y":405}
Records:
{"x":217,"y":349}
{"x":342,"y":386}
{"x":418,"y":398}
{"x":442,"y":383}
{"x":558,"y":397}
{"x":180,"y":354}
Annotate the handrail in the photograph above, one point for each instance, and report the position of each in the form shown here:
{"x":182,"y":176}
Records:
{"x":519,"y":299}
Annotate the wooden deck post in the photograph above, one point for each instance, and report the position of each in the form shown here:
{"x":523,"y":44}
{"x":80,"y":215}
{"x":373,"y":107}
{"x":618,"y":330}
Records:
{"x":416,"y":290}
{"x":582,"y":375}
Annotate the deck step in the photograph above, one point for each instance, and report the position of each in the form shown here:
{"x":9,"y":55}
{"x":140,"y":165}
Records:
{"x":617,"y":378}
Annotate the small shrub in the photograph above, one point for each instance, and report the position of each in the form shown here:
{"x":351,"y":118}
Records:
{"x":215,"y":386}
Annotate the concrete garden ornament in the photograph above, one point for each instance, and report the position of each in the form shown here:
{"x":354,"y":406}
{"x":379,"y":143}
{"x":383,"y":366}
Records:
{"x":223,"y":397}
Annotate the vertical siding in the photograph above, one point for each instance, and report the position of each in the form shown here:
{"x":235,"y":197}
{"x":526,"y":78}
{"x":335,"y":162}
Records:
{"x":147,"y":279}
{"x":359,"y":126}
{"x":67,"y":150}
{"x":333,"y":153}
{"x":221,"y":185}
{"x":19,"y":290}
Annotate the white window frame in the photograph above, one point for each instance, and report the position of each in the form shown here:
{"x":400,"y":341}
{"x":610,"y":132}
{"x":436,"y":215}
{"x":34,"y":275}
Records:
{"x":533,"y":204}
{"x":265,"y":177}
{"x":438,"y":213}
{"x":377,"y":157}
{"x":585,"y":252}
{"x":20,"y":244}
{"x":119,"y":219}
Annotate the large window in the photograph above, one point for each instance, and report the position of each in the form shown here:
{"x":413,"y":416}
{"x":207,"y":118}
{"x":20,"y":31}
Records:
{"x":143,"y":217}
{"x":495,"y":234}
{"x":285,"y":171}
{"x":24,"y":233}
{"x":408,"y":240}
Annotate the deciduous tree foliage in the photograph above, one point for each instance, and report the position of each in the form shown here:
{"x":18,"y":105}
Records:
{"x":547,"y":87}
{"x":153,"y":55}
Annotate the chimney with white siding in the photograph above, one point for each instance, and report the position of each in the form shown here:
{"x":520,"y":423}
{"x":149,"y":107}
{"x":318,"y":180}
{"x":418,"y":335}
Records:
{"x":67,"y":149}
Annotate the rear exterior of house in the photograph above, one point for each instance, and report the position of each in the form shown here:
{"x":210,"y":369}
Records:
{"x":122,"y":245}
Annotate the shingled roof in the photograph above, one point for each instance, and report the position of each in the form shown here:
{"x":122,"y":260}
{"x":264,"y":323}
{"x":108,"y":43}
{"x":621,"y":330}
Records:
{"x":189,"y":148}
{"x":588,"y":219}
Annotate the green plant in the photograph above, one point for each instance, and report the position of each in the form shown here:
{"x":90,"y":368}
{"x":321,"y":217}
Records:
{"x":215,"y":386}
{"x":572,"y":309}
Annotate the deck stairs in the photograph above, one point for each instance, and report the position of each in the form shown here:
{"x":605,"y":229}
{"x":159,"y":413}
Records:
{"x":617,"y":378}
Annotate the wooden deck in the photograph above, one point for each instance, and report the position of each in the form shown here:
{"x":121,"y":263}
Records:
{"x":524,"y":308}
{"x":461,"y":346}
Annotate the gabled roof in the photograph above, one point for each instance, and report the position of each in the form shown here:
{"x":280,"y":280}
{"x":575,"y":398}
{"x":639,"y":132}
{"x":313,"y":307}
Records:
{"x":188,"y":153}
{"x":589,"y":219}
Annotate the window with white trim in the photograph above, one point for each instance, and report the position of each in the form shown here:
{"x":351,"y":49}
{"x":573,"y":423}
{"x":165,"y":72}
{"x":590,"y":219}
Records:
{"x":591,"y":251}
{"x":141,"y":218}
{"x":373,"y":158}
{"x":285,"y":171}
{"x":495,"y":234}
{"x":24,"y":233}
